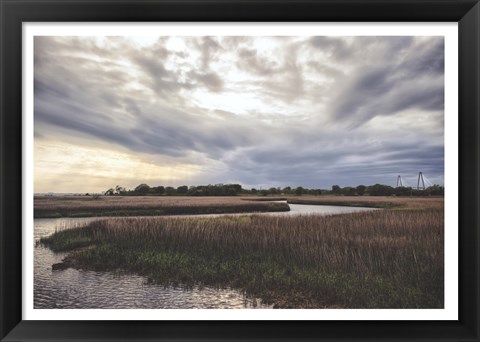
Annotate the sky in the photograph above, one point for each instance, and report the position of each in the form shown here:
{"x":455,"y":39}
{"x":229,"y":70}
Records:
{"x":259,"y":111}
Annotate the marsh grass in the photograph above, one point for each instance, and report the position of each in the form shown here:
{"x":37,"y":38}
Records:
{"x":55,"y":207}
{"x":381,"y":259}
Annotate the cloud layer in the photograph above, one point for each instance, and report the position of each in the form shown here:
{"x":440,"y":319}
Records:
{"x":260,"y":111}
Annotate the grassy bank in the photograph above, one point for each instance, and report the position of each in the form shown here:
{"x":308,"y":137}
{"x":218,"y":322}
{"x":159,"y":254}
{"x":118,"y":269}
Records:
{"x":84,"y":206}
{"x":381,"y":259}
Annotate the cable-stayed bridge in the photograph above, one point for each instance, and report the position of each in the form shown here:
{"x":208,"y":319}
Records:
{"x":422,"y":182}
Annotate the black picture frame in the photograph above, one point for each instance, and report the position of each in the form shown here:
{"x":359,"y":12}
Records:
{"x":15,"y":12}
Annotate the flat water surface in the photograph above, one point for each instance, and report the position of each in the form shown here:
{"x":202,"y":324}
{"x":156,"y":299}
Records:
{"x":308,"y":209}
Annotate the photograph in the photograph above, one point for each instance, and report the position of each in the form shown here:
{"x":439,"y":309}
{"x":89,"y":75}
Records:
{"x":239,"y":172}
{"x":205,"y":170}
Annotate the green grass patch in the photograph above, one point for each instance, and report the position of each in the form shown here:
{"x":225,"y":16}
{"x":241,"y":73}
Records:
{"x":69,"y":239}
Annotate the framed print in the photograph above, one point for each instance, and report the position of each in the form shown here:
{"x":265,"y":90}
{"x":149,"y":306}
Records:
{"x":239,"y":170}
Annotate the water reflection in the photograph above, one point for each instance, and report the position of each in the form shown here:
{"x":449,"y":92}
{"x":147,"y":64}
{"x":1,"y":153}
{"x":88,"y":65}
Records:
{"x":308,"y":209}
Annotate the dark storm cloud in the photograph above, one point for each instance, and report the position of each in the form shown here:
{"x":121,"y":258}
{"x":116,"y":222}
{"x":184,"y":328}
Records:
{"x":132,"y":107}
{"x":159,"y":130}
{"x":302,"y":158}
{"x":325,"y":168}
{"x":77,"y":123}
{"x":176,"y":133}
{"x":428,"y":58}
{"x":167,"y":83}
{"x":412,"y":80}
{"x":84,"y":107}
{"x":282,"y":81}
{"x":164,"y":82}
{"x":318,"y":98}
{"x":406,"y":151}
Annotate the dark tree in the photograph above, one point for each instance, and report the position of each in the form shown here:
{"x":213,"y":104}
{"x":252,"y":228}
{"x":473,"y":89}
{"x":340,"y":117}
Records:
{"x":169,"y":191}
{"x":299,"y":191}
{"x":336,"y":190}
{"x":182,"y":190}
{"x":120,"y":190}
{"x":361,"y":190}
{"x":110,"y":192}
{"x":380,"y":190}
{"x":157,"y":190}
{"x":273,"y":191}
{"x":142,"y":189}
{"x":349,"y":191}
{"x":436,"y":190}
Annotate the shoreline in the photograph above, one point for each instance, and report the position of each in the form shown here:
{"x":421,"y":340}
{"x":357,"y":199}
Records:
{"x":124,"y":206}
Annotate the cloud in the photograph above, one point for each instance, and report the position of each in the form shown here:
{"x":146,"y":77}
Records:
{"x":210,"y":80}
{"x":208,"y":47}
{"x":250,"y":61}
{"x":261,"y":111}
{"x":163,"y":82}
{"x":414,"y":80}
{"x":282,"y":80}
{"x":132,"y":107}
{"x":334,"y":47}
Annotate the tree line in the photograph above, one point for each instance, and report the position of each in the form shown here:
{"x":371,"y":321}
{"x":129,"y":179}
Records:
{"x":201,"y":190}
{"x":236,"y":189}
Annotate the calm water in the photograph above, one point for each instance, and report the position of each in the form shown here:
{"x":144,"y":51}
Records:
{"x":87,"y":289}
{"x":305,"y":209}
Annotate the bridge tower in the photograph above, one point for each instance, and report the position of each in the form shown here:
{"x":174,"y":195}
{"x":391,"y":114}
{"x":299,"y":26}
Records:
{"x":399,"y":181}
{"x":420,"y":178}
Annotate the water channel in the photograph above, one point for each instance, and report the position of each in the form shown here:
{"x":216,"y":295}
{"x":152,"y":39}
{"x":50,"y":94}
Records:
{"x":76,"y":289}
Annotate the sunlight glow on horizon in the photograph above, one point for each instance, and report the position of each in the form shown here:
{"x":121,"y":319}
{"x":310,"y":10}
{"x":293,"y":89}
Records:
{"x":64,"y":167}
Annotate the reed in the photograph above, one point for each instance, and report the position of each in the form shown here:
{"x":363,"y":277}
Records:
{"x":379,"y":259}
{"x":83,"y":206}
